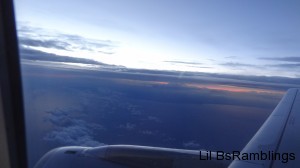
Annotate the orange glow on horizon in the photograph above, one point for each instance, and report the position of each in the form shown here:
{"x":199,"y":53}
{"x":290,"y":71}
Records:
{"x":230,"y":88}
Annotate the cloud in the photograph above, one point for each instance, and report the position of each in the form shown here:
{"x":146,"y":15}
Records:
{"x":280,"y":83}
{"x":147,"y":132}
{"x":286,"y":66}
{"x":285,"y":59}
{"x":31,"y":54}
{"x":191,"y":144}
{"x":128,"y":126}
{"x":133,"y":109}
{"x":237,"y":64}
{"x":294,"y":62}
{"x":44,"y":43}
{"x":199,"y":66}
{"x":37,"y":37}
{"x":284,"y":62}
{"x":155,"y":119}
{"x":189,"y":64}
{"x":73,"y":135}
{"x":71,"y":131}
{"x":184,"y":62}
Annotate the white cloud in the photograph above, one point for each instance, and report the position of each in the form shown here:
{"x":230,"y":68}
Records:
{"x":128,"y":126}
{"x":191,"y":144}
{"x":68,"y":130}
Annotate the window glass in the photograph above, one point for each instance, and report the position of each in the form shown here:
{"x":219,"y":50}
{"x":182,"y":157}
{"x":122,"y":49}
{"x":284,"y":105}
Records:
{"x":176,"y":74}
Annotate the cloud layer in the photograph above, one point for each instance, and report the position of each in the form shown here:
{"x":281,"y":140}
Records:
{"x":31,"y":54}
{"x":285,"y":59}
{"x":36,"y":37}
{"x":71,"y":131}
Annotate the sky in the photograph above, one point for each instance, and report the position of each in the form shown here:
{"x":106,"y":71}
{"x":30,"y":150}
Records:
{"x":216,"y":36}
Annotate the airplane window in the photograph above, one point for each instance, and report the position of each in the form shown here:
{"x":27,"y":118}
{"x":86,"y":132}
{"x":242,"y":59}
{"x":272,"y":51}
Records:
{"x":195,"y":75}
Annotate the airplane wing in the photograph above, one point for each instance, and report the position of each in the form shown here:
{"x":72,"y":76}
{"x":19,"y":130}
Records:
{"x":279,"y":137}
{"x":127,"y":156}
{"x":276,"y":144}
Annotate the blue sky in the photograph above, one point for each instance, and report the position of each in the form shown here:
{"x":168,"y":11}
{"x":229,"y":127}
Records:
{"x":233,"y":37}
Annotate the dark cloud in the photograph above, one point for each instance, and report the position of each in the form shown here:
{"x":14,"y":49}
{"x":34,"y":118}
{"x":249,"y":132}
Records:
{"x":286,"y":66}
{"x":236,"y":64}
{"x":285,"y":59}
{"x":258,"y":81}
{"x":184,"y":62}
{"x":30,"y":54}
{"x":89,"y":44}
{"x":24,"y":29}
{"x":175,"y":77}
{"x":44,"y":43}
{"x":285,"y":62}
{"x":203,"y":67}
{"x":36,"y":37}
